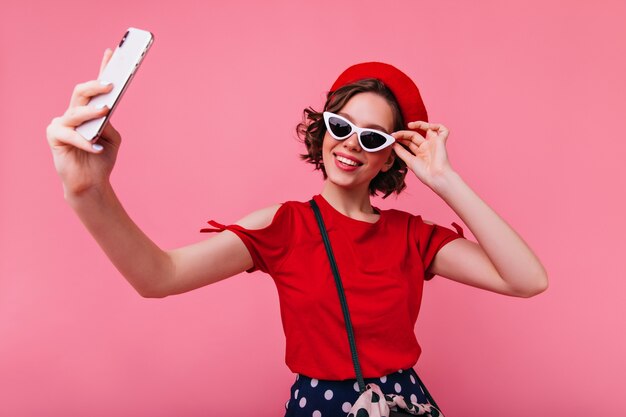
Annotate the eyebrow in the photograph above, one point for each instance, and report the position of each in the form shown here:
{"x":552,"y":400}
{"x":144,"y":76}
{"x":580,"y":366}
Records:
{"x":371,"y":125}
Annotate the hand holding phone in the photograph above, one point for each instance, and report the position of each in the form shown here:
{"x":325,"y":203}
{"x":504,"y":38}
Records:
{"x":119,"y":71}
{"x":81,"y":164}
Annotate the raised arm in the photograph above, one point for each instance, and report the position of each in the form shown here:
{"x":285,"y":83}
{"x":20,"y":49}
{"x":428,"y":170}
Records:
{"x":501,"y":261}
{"x":153,"y":272}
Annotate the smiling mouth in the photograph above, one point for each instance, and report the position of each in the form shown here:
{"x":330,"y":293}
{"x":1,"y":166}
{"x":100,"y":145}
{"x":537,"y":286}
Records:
{"x":347,"y":161}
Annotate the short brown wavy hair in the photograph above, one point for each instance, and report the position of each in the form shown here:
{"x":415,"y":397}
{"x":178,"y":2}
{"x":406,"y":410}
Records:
{"x":312,"y":129}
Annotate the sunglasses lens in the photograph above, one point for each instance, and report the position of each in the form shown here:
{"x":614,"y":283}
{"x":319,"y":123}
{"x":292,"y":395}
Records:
{"x":372,"y":140}
{"x":339,"y":127}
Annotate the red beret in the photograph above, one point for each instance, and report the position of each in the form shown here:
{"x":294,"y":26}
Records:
{"x":405,"y":90}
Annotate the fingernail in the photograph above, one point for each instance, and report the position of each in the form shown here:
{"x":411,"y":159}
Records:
{"x":100,"y":106}
{"x":97,"y":147}
{"x":105,"y":83}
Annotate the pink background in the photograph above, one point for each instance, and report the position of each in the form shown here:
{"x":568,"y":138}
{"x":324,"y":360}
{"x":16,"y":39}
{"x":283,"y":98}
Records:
{"x":534,"y":94}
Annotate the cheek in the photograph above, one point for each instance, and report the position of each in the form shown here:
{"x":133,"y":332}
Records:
{"x":381,"y":157}
{"x":385,"y":161}
{"x":327,"y":146}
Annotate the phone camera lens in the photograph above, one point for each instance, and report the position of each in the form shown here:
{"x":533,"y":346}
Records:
{"x":123,"y":39}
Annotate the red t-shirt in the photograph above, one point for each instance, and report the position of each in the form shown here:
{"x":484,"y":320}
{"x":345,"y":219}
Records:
{"x":382,"y":268}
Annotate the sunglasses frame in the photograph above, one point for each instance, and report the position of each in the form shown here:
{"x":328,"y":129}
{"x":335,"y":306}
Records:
{"x":354,"y":128}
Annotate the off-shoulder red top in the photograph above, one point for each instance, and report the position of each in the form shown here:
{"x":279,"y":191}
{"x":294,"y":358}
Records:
{"x":382,"y":267}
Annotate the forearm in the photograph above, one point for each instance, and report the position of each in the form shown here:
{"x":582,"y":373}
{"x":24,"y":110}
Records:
{"x":511,"y":256}
{"x":139,"y":260}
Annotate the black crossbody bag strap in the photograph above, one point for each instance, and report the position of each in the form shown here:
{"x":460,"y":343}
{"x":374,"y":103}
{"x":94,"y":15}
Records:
{"x":342,"y":296}
{"x":344,"y":307}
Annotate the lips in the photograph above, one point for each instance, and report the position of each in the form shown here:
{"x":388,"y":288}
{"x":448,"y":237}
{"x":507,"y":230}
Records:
{"x":348,"y":160}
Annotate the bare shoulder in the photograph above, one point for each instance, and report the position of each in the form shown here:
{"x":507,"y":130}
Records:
{"x":259,"y":219}
{"x":216,"y":258}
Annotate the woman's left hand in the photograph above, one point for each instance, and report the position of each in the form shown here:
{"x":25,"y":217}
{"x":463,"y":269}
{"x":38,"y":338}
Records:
{"x":426,"y":155}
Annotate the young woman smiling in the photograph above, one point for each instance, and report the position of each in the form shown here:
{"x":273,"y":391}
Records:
{"x":363,"y":145}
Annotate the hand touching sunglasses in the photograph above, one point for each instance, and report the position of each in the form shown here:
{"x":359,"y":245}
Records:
{"x":371,"y":140}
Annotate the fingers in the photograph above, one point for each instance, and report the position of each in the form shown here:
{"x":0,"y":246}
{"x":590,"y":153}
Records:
{"x":111,"y":135}
{"x":60,"y":135}
{"x":408,"y":136}
{"x":402,"y":152}
{"x":108,"y":53}
{"x":85,"y":91}
{"x":427,"y":126}
{"x":75,"y":116}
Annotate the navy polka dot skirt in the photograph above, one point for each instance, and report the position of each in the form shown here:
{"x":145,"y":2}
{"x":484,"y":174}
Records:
{"x":323,"y":398}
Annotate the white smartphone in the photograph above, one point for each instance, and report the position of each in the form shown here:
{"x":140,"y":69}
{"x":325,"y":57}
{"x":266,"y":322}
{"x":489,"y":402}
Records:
{"x":120,"y":71}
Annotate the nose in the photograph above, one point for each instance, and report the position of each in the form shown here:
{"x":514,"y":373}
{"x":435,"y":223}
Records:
{"x":352,"y":142}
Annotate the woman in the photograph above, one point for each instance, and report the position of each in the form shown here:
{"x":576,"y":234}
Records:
{"x":362,"y":147}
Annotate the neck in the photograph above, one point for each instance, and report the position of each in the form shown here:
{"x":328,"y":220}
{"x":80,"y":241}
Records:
{"x":354,"y":203}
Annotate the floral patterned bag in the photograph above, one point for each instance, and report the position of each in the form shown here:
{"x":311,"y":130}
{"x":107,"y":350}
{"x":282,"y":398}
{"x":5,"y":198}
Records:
{"x":377,"y":404}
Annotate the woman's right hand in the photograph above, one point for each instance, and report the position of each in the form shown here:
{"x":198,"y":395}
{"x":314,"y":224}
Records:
{"x":82,"y":164}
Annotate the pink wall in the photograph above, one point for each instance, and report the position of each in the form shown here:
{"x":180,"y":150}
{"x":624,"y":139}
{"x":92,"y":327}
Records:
{"x":534,"y":94}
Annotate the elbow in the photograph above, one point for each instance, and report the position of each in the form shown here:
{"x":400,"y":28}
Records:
{"x":152,"y":295}
{"x":157,"y":284}
{"x":152,"y":292}
{"x":539,"y":285}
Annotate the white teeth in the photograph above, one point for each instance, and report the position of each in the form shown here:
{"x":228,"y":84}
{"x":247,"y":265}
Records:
{"x":347,"y":161}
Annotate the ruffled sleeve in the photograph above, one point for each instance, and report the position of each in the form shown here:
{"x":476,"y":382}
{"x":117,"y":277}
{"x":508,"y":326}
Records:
{"x":269,"y":246}
{"x":431,"y":238}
